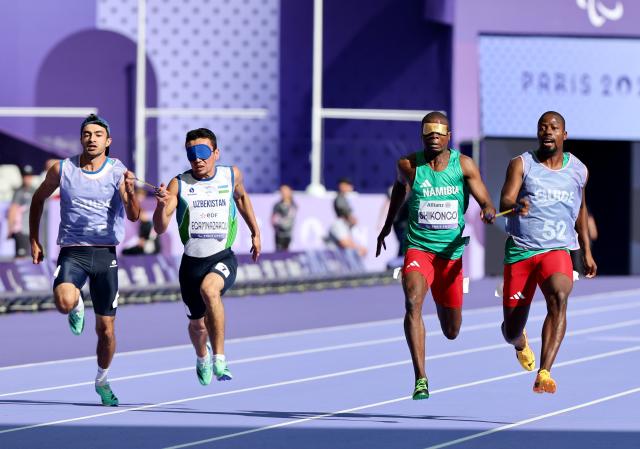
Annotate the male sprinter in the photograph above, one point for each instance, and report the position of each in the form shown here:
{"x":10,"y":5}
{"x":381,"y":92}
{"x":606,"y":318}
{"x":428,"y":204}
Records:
{"x":438,"y":180}
{"x":547,"y":187}
{"x":206,"y":198}
{"x":95,"y":191}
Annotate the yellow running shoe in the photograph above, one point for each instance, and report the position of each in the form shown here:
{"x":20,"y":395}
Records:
{"x":544,"y":383}
{"x":526,"y":357}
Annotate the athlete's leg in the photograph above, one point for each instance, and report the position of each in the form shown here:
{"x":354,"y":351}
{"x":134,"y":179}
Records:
{"x":105,"y":330}
{"x":556,"y":290}
{"x":105,"y":351}
{"x":515,"y":319}
{"x":447,"y":294}
{"x":450,"y":320}
{"x":415,"y":288}
{"x":73,"y":267}
{"x":199,"y":336}
{"x":518,"y":290}
{"x":210,"y":290}
{"x":555,"y":277}
{"x":199,"y":339}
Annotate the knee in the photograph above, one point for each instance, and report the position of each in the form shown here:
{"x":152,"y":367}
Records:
{"x":414,"y":293}
{"x":105,"y":333}
{"x":211,"y":296}
{"x":64,"y":306}
{"x":451,"y":332}
{"x":557,"y":303}
{"x":511,"y":335}
{"x":413,"y":302}
{"x":65,"y":300}
{"x":197,"y":327}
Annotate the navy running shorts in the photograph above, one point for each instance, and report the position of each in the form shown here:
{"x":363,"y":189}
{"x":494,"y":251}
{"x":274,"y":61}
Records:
{"x":100,"y":265}
{"x":192,"y":273}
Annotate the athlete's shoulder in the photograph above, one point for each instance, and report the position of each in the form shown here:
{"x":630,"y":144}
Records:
{"x":573,"y":158}
{"x":116,"y":165}
{"x":579,"y":166}
{"x":409,"y":160}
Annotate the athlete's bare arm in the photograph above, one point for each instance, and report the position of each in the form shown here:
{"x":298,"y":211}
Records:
{"x":582,"y":226}
{"x":405,"y":174}
{"x":167,"y":201}
{"x":45,"y":190}
{"x":245,"y":207}
{"x":511,"y":188}
{"x":129,"y":198}
{"x":478,"y":189}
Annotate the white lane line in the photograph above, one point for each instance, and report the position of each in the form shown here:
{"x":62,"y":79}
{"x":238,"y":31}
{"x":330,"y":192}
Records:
{"x":344,"y":327}
{"x":616,"y":338}
{"x":475,"y":327}
{"x":402,"y":398}
{"x":322,"y":377}
{"x":536,"y":418}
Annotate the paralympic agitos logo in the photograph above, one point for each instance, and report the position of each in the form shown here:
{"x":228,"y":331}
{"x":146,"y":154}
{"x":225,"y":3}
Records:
{"x":598,"y":13}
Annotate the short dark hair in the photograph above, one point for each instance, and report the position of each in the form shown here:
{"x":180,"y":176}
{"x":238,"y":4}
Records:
{"x":202,"y":133}
{"x":93,"y":119}
{"x":557,"y":115}
{"x":435,"y":115}
{"x":342,"y":207}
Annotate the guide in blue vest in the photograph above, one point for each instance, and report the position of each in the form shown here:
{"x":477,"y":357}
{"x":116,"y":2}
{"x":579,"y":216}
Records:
{"x":207,"y":199}
{"x":95,"y":193}
{"x":546,"y":190}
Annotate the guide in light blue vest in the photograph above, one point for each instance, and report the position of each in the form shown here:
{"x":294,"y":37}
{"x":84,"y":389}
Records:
{"x":554,"y":198}
{"x":95,"y":193}
{"x":544,"y":197}
{"x":91,"y":208}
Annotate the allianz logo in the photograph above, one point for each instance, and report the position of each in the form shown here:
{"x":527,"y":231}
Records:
{"x":598,"y":13}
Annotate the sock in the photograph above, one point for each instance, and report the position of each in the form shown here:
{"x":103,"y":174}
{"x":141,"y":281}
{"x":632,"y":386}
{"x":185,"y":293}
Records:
{"x":220,"y":357}
{"x":101,"y":377}
{"x":80,"y":306}
{"x":205,"y":359}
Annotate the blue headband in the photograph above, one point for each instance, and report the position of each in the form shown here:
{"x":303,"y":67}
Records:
{"x":199,"y":151}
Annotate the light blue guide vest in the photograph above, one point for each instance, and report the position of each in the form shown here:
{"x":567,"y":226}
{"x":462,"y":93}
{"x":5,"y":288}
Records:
{"x":91,"y":209}
{"x":554,"y":202}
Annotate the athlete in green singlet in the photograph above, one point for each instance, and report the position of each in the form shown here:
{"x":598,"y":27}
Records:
{"x":438,"y":181}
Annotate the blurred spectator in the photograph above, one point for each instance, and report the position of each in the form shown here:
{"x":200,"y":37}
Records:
{"x":148,"y":242}
{"x":18,"y":213}
{"x":283,"y":218}
{"x":340,"y":235}
{"x":341,"y":204}
{"x":11,"y":180}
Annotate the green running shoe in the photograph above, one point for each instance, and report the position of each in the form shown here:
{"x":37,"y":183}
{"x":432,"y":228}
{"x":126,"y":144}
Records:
{"x":76,"y":321}
{"x":205,"y":370}
{"x":108,"y":398}
{"x":422,"y":389}
{"x":221,"y":371}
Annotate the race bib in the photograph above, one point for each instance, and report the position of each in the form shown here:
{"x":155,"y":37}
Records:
{"x":438,"y":214}
{"x":208,"y":219}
